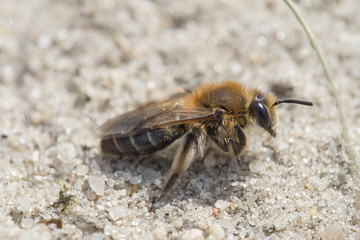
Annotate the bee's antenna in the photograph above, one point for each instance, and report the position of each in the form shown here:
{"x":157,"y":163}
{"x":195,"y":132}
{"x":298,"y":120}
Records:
{"x":302,"y":102}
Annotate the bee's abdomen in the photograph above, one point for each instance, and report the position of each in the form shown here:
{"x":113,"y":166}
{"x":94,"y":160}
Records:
{"x":142,"y":144}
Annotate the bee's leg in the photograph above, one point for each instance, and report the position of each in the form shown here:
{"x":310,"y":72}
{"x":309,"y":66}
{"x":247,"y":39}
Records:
{"x":192,"y":142}
{"x":222,"y":143}
{"x":233,"y":145}
{"x":239,"y":144}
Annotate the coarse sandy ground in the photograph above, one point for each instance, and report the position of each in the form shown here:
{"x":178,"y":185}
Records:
{"x":68,"y":66}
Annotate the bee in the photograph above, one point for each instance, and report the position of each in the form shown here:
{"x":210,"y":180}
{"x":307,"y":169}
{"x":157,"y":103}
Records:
{"x":217,"y":112}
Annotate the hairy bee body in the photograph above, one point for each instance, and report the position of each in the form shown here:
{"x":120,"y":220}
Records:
{"x":143,"y":143}
{"x":214,"y":112}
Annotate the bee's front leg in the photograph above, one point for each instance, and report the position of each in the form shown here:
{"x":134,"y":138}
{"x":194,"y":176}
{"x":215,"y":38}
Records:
{"x":193,"y":141}
{"x":239,"y":144}
{"x":233,"y":145}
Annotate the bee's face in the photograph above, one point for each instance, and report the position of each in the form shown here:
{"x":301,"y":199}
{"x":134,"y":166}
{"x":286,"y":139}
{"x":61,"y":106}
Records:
{"x":259,"y":109}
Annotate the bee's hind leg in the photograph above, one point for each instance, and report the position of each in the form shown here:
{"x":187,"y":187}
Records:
{"x":193,"y":141}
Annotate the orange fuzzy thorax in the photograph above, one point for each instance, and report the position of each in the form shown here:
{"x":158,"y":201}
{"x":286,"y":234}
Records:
{"x":229,"y":95}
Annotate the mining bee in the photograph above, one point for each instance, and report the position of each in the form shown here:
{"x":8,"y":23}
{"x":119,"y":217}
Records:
{"x":217,"y":112}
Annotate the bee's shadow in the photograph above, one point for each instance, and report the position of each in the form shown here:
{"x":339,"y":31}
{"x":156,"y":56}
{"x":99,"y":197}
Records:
{"x":126,"y":167}
{"x":204,"y":185}
{"x":134,"y":165}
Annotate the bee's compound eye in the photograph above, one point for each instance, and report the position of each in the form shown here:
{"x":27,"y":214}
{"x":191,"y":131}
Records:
{"x":262,"y":116}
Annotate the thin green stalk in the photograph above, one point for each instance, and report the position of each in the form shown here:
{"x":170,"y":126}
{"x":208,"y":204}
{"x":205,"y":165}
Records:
{"x":344,"y":127}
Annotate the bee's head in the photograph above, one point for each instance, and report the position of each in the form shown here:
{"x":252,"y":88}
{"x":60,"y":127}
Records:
{"x":262,"y":108}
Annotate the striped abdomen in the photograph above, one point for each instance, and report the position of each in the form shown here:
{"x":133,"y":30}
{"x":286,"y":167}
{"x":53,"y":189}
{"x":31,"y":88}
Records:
{"x":144,"y":143}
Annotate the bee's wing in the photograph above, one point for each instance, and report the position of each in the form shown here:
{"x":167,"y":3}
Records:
{"x":156,"y":115}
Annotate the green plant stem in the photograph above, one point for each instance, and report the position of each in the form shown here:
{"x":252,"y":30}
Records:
{"x":344,"y":127}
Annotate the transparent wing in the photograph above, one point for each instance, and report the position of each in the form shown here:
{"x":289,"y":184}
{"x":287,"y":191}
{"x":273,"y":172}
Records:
{"x":155,"y":115}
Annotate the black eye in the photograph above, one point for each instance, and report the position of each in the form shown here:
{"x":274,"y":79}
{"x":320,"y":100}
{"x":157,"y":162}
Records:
{"x":262,"y":115}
